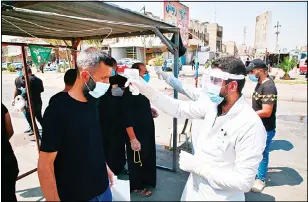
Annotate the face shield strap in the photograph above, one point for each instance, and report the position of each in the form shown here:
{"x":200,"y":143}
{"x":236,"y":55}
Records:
{"x":224,"y":75}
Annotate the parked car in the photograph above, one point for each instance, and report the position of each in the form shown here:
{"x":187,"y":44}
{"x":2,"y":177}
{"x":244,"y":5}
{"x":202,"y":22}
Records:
{"x":303,"y":66}
{"x":122,"y":65}
{"x":125,"y":63}
{"x":170,"y":65}
{"x":17,"y":65}
{"x":5,"y":65}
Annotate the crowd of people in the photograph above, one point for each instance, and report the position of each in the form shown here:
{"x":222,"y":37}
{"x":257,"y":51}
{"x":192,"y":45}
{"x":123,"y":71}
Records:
{"x":92,"y":128}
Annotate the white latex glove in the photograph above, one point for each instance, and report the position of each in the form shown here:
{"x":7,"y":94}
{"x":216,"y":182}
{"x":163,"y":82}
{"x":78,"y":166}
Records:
{"x":135,"y":145}
{"x":191,"y":163}
{"x":161,"y":75}
{"x":143,"y":87}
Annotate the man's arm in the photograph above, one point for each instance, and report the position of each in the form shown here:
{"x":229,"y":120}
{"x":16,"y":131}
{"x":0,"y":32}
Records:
{"x":189,"y":91}
{"x":51,"y":138}
{"x":46,"y":175}
{"x":266,"y":111}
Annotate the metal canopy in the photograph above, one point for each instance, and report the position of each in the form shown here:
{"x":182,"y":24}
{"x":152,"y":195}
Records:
{"x":84,"y":20}
{"x":61,"y":27}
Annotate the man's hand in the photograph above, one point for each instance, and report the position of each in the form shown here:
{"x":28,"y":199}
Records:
{"x":143,"y":87}
{"x":161,"y":75}
{"x":110,"y":176}
{"x":135,"y":145}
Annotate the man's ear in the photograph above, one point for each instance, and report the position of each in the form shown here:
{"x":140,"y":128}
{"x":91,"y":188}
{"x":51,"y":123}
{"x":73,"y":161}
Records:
{"x":85,"y":76}
{"x":233,"y":86}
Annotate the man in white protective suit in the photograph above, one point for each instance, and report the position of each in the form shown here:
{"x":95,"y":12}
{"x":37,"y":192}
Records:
{"x":231,"y":139}
{"x":190,"y":92}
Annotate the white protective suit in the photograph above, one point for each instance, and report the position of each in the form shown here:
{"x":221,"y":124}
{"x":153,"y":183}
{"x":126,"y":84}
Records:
{"x":228,"y":151}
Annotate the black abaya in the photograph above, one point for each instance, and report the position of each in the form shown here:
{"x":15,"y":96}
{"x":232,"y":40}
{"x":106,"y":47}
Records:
{"x":113,"y":131}
{"x":138,"y":115}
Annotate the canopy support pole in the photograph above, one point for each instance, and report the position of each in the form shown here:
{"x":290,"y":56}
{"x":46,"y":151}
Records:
{"x":75,"y":43}
{"x":35,"y":129}
{"x":173,"y":48}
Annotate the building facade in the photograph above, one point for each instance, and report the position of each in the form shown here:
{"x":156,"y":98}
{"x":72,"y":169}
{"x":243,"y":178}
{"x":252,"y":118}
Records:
{"x":230,"y":48}
{"x":215,"y":33}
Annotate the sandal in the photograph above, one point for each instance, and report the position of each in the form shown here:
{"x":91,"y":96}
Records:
{"x":144,"y":192}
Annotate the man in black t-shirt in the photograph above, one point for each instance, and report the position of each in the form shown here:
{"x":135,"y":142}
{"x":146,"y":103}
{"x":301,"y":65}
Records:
{"x":247,"y":62}
{"x":36,"y":86}
{"x":69,"y":80}
{"x":71,"y":164}
{"x":264,"y":102}
{"x":9,"y":167}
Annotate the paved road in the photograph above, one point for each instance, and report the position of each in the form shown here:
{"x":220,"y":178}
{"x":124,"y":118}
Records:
{"x":288,"y":159}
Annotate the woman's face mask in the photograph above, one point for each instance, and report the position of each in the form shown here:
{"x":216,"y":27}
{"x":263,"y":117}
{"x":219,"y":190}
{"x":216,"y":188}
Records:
{"x":118,"y":92}
{"x":146,"y":77}
{"x":19,"y":73}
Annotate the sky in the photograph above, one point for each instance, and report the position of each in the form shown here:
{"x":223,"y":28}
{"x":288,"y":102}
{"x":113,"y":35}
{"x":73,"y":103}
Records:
{"x":233,"y":16}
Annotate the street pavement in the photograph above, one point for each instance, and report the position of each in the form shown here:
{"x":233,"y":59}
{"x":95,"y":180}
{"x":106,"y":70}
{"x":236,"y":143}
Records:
{"x":288,"y":159}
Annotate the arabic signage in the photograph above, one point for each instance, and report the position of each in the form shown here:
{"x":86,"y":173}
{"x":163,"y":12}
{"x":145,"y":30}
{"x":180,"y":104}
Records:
{"x":177,"y":14}
{"x":39,"y":54}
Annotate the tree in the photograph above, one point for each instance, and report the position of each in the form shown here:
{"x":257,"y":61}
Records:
{"x":287,"y":65}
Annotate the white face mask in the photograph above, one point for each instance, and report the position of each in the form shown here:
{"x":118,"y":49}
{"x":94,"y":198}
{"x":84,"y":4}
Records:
{"x":99,"y":90}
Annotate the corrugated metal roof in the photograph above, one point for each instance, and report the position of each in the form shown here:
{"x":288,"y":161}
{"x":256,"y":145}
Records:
{"x":59,"y":27}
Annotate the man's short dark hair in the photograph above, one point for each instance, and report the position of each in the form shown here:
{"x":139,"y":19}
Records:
{"x":232,"y":65}
{"x":137,"y":65}
{"x":70,"y":77}
{"x":114,"y":62}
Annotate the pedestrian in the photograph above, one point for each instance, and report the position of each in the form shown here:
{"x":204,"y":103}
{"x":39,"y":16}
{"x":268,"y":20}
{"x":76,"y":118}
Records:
{"x":9,"y":171}
{"x":36,"y":86}
{"x":264,"y":102}
{"x":111,"y":115}
{"x":232,"y":138}
{"x":165,"y":65}
{"x":193,"y":64}
{"x":141,"y":148}
{"x":247,"y":62}
{"x":69,"y":80}
{"x":71,"y":164}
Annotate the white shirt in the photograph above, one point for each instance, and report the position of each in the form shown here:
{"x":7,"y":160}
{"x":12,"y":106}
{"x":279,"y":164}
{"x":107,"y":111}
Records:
{"x":231,"y":161}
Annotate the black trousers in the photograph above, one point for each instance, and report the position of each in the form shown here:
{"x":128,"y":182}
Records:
{"x":9,"y":173}
{"x":37,"y":109}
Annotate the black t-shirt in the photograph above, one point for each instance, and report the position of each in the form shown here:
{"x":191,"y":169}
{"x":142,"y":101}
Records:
{"x":54,"y":97}
{"x":72,"y":129}
{"x":6,"y":148}
{"x":36,"y":86}
{"x":266,"y":93}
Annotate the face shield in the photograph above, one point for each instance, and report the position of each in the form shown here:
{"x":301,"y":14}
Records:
{"x":214,"y":84}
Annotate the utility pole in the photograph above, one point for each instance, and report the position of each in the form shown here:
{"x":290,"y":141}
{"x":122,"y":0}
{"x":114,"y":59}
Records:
{"x":277,"y":33}
{"x":215,"y":14}
{"x":244,"y":43}
{"x":143,"y":8}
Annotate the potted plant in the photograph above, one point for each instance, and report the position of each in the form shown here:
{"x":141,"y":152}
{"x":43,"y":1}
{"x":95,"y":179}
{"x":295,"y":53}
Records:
{"x":287,"y":65}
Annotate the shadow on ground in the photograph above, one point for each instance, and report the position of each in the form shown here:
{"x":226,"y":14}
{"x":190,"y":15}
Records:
{"x":250,"y":196}
{"x":31,"y":192}
{"x":280,"y":176}
{"x":284,"y":145}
